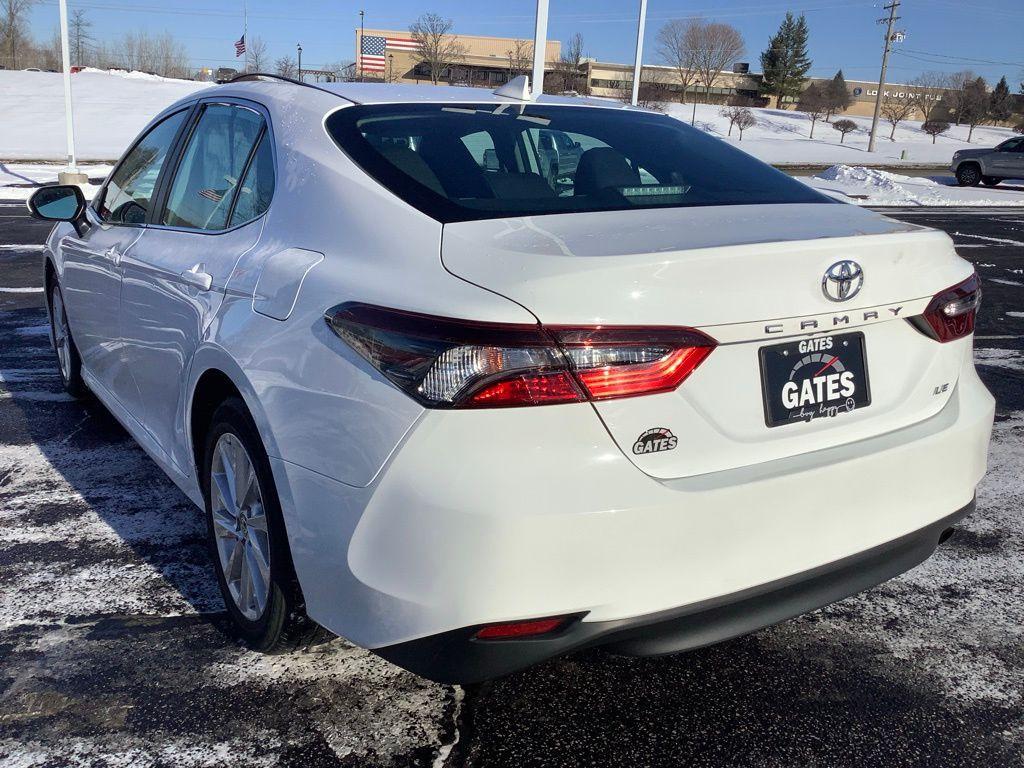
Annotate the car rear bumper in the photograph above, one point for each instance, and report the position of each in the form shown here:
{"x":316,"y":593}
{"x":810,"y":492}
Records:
{"x":512,"y":514}
{"x":456,"y":657}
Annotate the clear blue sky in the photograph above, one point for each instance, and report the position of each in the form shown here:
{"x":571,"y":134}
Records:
{"x":843,"y":33}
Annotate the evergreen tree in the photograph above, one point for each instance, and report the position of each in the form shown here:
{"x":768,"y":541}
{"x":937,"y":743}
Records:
{"x":785,"y":62}
{"x":1000,"y":102}
{"x":837,"y":96}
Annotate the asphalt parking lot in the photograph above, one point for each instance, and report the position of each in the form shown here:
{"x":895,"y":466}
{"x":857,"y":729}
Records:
{"x":113,"y":650}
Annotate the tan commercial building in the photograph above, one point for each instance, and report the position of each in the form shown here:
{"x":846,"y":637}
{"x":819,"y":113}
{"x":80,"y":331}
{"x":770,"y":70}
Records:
{"x":613,"y":80}
{"x":489,"y":62}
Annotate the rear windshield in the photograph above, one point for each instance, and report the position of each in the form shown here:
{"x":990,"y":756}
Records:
{"x":463,"y":162}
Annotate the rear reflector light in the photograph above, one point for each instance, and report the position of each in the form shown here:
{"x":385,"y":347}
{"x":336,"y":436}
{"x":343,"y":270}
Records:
{"x":446,"y":363}
{"x":951,"y":314}
{"x":519,"y":629}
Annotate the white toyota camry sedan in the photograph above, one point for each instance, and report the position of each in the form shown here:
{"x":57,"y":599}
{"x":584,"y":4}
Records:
{"x":472,"y":404}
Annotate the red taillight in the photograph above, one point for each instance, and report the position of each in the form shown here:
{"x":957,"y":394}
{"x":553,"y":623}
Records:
{"x":446,"y":363}
{"x":951,"y":314}
{"x":518,"y":629}
{"x":530,"y":390}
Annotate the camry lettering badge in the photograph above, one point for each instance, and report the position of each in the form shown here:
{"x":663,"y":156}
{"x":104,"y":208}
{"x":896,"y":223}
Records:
{"x":655,"y":440}
{"x":842,"y":281}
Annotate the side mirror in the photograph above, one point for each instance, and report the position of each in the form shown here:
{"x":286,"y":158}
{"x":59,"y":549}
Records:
{"x":59,"y":203}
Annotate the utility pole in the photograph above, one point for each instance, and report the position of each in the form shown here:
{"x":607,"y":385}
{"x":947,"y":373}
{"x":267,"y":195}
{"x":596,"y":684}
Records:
{"x":540,"y":46}
{"x":638,"y":63}
{"x":362,"y":15}
{"x":891,"y":8}
{"x":298,"y":47}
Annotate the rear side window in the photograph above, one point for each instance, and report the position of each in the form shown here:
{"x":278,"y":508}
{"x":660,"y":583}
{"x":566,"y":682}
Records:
{"x":257,"y":187}
{"x":212,"y":166}
{"x":128,"y":194}
{"x":463,"y":162}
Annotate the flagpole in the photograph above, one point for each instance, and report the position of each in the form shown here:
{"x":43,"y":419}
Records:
{"x":245,"y":32}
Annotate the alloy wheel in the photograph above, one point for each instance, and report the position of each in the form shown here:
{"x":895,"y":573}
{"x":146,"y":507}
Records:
{"x":240,"y":526}
{"x":61,"y":335}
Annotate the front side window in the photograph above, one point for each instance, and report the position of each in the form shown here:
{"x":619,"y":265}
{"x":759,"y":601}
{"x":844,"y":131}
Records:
{"x":127,"y":196}
{"x":478,"y":161}
{"x":211,"y":167}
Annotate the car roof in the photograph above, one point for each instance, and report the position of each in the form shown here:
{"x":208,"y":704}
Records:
{"x":273,"y":89}
{"x":403,"y":93}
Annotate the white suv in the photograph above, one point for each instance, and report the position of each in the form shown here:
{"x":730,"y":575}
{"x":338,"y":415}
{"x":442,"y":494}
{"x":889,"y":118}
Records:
{"x":470,"y":416}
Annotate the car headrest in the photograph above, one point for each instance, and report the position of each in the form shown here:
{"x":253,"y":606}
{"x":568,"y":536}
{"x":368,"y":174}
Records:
{"x":602,"y":168}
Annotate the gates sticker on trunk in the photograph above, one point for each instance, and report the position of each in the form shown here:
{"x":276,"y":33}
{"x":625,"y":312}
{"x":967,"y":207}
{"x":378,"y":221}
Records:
{"x":655,"y":440}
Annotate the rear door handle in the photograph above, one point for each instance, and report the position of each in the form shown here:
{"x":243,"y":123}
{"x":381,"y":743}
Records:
{"x":198,"y":277}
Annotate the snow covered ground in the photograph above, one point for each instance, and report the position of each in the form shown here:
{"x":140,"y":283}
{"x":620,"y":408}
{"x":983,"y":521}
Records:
{"x":19,"y":180}
{"x":781,"y":137}
{"x":110,"y":110}
{"x":867,"y":186}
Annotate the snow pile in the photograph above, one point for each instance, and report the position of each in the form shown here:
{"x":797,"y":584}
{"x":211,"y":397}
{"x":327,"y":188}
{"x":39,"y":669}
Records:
{"x":869,"y":186}
{"x":110,"y":110}
{"x":883,"y":181}
{"x":134,"y":75}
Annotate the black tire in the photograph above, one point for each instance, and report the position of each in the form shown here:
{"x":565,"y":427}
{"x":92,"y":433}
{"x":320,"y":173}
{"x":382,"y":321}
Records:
{"x":968,"y":175}
{"x":283,"y":626}
{"x":990,"y":181}
{"x":71,"y":370}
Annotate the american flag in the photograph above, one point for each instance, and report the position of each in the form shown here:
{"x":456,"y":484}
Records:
{"x":371,"y":54}
{"x":240,"y":46}
{"x":211,"y":194}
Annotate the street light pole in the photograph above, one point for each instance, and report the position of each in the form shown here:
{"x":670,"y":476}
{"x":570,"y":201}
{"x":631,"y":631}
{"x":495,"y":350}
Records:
{"x":71,"y":174}
{"x":299,"y":48}
{"x":638,"y":63}
{"x":891,"y":8}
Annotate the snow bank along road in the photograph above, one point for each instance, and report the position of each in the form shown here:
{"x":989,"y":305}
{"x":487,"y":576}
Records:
{"x":112,"y":649}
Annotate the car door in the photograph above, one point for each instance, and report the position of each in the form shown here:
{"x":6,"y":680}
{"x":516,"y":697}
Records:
{"x":92,"y":269}
{"x":1008,"y":159}
{"x":1017,"y":160}
{"x":174,"y":279}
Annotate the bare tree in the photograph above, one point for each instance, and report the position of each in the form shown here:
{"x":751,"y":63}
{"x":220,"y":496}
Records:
{"x":13,"y":16}
{"x":814,"y":100}
{"x":520,"y":58}
{"x":935,"y":128}
{"x":286,"y":67}
{"x":929,"y":88}
{"x":745,"y":120}
{"x":732,"y":114}
{"x":957,"y":83}
{"x":897,"y":107}
{"x":844,"y":127}
{"x":79,"y":37}
{"x":653,"y":92}
{"x":256,"y":51}
{"x":718,"y":46}
{"x":677,"y":42}
{"x":436,"y":46}
{"x":568,"y":75}
{"x":164,"y":55}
